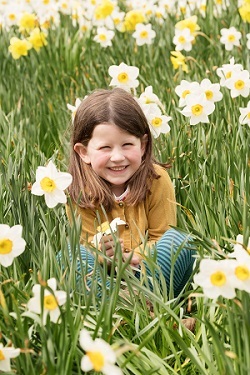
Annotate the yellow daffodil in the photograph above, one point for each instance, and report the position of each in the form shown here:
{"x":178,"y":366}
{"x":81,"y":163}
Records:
{"x":38,"y":39}
{"x":104,"y":9}
{"x":19,"y":47}
{"x":28,"y":22}
{"x":190,"y":23}
{"x":244,"y":11}
{"x":132,"y":18}
{"x":179,"y":61}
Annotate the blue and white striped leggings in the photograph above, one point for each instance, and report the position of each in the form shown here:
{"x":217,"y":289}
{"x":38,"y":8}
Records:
{"x":167,"y":247}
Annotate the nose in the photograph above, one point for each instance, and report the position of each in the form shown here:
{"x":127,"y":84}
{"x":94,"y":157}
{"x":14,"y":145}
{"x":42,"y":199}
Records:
{"x":117,"y":155}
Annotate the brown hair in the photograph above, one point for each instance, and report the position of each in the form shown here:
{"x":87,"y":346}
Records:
{"x":116,"y":107}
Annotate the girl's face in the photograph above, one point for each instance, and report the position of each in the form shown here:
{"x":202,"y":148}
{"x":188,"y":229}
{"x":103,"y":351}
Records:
{"x":114,"y":154}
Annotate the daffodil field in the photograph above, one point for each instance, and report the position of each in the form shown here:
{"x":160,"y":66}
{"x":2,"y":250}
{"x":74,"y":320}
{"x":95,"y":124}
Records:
{"x":187,"y":62}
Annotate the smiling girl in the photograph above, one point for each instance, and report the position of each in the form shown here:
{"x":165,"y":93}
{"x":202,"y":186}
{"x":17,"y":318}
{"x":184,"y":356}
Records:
{"x":116,"y":176}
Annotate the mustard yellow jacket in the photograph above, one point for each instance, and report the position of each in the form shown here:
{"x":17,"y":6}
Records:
{"x":152,"y":217}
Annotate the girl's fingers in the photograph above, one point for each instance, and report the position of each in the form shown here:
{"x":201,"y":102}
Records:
{"x":107,"y":244}
{"x":110,"y":253}
{"x":134,"y":261}
{"x":107,"y":238}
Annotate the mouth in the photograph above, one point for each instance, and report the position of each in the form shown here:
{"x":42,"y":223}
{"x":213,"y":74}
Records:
{"x":118,"y":168}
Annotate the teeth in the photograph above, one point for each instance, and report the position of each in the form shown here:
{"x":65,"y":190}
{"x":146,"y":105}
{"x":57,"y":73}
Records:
{"x":117,"y":168}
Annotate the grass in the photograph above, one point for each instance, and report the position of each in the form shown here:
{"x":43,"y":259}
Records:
{"x":210,"y":170}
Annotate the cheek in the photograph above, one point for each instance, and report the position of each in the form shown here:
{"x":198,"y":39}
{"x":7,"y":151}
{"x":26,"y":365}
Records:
{"x":98,"y":161}
{"x":135,"y":155}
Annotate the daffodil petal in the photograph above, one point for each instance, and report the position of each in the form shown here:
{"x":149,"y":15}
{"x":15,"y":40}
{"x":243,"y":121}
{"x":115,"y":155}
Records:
{"x":86,"y":364}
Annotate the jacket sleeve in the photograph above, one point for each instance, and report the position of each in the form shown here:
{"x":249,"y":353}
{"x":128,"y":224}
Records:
{"x":89,"y":222}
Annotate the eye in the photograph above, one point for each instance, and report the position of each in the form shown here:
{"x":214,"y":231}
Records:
{"x":104,"y":148}
{"x":128,"y":144}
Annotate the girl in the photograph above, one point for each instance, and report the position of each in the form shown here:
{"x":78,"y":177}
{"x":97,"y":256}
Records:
{"x":116,"y":176}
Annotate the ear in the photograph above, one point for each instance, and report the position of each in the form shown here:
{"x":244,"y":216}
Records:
{"x":144,"y":142}
{"x":82,"y":151}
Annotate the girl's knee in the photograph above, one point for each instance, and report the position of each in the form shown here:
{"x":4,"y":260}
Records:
{"x":174,"y":239}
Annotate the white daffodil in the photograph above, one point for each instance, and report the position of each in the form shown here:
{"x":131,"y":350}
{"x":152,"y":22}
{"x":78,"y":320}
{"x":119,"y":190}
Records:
{"x":84,"y":26}
{"x":211,"y":90}
{"x":99,"y":355}
{"x":49,"y":17}
{"x":104,"y":36}
{"x":51,"y":183}
{"x":73,"y":108}
{"x":226,"y":71}
{"x":107,"y":228}
{"x":159,"y":11}
{"x":149,"y":8}
{"x":148,"y":97}
{"x":50,"y":303}
{"x":241,"y":253}
{"x":219,"y":6}
{"x":185,"y":88}
{"x":198,"y":108}
{"x":215,"y":277}
{"x":201,"y":5}
{"x":158,"y":122}
{"x":239,"y":84}
{"x":11,"y":15}
{"x":182,"y":9}
{"x":106,"y":22}
{"x":241,"y":277}
{"x":144,"y":34}
{"x":124,"y":76}
{"x":11,"y":243}
{"x":65,"y":7}
{"x":239,"y":247}
{"x":6,"y":353}
{"x":118,"y":17}
{"x":230,"y":37}
{"x":245,"y":115}
{"x":183,"y":40}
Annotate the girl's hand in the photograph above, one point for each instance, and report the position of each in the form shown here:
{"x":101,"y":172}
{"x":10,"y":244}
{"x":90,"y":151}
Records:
{"x":107,"y":245}
{"x":134,"y":261}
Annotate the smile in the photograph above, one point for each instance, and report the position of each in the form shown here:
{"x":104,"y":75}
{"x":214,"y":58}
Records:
{"x":118,"y":168}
